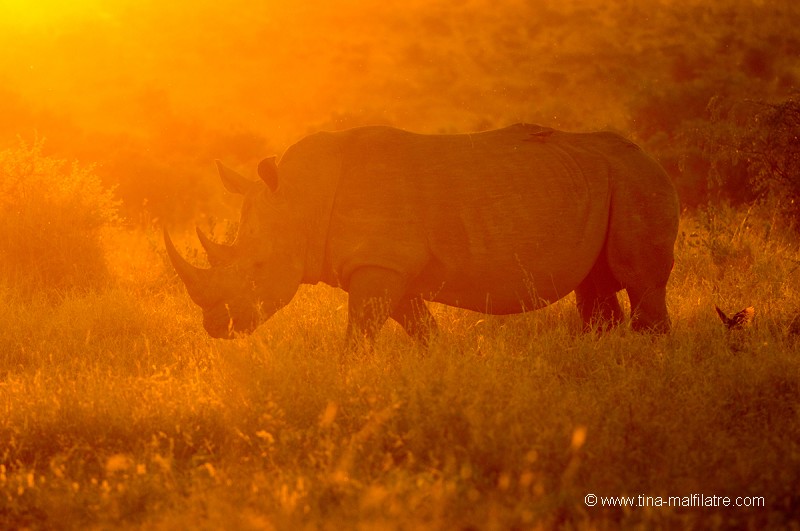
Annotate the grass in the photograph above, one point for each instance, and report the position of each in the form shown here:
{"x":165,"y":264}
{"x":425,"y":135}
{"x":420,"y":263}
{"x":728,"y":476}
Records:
{"x":117,"y":411}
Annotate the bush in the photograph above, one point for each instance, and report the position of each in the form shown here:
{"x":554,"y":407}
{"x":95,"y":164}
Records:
{"x":762,"y":141}
{"x":52,"y":220}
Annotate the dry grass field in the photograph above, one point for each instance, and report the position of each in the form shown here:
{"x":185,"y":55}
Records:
{"x":117,"y":411}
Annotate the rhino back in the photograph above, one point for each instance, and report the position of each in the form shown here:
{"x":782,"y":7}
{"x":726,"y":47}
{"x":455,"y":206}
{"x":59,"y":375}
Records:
{"x":488,"y":221}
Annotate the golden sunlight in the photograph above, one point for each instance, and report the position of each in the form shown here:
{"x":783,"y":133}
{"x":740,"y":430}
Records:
{"x":48,"y":12}
{"x":119,"y":408}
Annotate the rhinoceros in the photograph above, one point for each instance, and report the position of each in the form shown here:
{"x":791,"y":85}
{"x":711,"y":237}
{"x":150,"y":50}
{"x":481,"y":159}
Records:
{"x":500,"y":222}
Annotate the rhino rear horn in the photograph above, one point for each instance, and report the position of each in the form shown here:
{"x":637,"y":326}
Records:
{"x":196,"y":280}
{"x":268,"y":171}
{"x":218,"y":253}
{"x":232,"y":180}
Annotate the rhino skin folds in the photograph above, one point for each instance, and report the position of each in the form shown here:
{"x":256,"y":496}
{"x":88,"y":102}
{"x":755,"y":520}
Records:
{"x":499,"y":222}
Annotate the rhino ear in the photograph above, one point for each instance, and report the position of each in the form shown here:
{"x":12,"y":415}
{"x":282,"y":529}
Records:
{"x":268,"y":171}
{"x":234,"y":182}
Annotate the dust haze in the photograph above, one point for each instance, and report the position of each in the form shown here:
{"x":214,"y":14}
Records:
{"x":154,"y":91}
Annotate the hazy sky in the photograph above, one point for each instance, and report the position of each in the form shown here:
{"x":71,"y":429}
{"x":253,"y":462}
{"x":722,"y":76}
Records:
{"x":155,"y":90}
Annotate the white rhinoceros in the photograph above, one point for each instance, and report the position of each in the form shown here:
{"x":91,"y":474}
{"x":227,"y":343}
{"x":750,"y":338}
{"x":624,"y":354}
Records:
{"x":499,"y":222}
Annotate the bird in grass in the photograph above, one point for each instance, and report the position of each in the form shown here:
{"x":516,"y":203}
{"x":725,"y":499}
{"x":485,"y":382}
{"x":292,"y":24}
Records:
{"x":738,"y":320}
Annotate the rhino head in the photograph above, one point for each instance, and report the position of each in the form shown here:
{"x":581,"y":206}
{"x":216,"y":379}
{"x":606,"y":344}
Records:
{"x":260,"y":272}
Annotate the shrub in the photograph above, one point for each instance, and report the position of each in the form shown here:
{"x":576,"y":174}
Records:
{"x":762,"y":140}
{"x":52,"y":220}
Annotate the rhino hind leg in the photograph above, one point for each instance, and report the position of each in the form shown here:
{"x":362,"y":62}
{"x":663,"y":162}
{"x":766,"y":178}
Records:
{"x":642,"y":261}
{"x":415,"y":318}
{"x":649,"y":309}
{"x":596,"y":298}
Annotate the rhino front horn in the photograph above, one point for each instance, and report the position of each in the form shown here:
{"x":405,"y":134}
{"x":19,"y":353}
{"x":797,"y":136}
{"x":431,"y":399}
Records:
{"x":218,"y":253}
{"x":196,"y":280}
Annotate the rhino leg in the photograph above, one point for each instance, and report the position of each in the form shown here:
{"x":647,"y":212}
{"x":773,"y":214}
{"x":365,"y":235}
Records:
{"x":597,"y":298}
{"x":415,"y":318}
{"x":374,"y":293}
{"x":641,"y":258}
{"x":649,"y":309}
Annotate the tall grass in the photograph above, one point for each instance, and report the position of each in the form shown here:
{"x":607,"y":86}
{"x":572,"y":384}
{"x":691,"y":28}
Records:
{"x":52,"y":220}
{"x":117,"y":410}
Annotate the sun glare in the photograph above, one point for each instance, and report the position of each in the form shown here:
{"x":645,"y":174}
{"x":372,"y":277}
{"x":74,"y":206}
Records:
{"x":38,"y":13}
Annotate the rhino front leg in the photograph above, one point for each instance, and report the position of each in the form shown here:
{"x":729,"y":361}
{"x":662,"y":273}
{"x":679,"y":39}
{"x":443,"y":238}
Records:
{"x":415,"y":318}
{"x":374,"y":294}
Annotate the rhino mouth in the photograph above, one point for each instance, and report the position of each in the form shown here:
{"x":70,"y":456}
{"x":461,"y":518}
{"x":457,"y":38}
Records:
{"x":207,"y":289}
{"x":220,"y":323}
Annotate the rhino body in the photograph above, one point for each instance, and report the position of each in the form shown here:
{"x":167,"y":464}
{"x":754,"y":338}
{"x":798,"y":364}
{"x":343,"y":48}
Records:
{"x":499,"y":222}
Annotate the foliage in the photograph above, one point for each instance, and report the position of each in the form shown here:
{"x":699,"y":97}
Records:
{"x":118,"y":411}
{"x":274,"y":72}
{"x":763,"y":141}
{"x":52,"y":221}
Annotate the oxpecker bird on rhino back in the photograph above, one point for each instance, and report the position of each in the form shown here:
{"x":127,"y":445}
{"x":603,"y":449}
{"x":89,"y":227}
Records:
{"x":499,"y":222}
